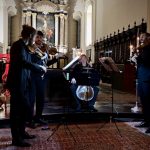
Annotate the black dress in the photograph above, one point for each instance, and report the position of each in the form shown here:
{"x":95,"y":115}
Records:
{"x":19,"y":84}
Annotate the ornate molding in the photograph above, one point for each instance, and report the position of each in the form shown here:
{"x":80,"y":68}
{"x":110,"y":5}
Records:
{"x":87,"y":3}
{"x":11,"y":7}
{"x":45,"y":7}
{"x":26,"y":5}
{"x":77,"y":15}
{"x":79,"y":6}
{"x":63,"y":7}
{"x":28,"y":14}
{"x":62,"y":16}
{"x":12,"y":11}
{"x":78,"y":9}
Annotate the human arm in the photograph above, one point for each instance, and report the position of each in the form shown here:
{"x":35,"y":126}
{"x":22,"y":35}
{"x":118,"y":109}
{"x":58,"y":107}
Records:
{"x":75,"y":73}
{"x":55,"y":59}
{"x":25,"y":59}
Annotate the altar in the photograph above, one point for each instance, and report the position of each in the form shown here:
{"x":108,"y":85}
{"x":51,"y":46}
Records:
{"x":49,"y":17}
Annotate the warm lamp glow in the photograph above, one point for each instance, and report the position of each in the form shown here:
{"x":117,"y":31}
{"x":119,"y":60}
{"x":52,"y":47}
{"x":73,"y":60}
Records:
{"x":131,"y":50}
{"x":137,"y":42}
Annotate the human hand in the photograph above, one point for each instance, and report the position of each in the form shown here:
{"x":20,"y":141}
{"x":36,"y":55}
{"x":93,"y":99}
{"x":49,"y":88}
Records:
{"x":4,"y":77}
{"x":73,"y":81}
{"x":60,"y":55}
{"x":43,"y":68}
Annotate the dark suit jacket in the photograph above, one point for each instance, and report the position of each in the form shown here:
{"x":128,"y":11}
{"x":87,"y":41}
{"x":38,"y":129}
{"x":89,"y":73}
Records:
{"x":84,"y":76}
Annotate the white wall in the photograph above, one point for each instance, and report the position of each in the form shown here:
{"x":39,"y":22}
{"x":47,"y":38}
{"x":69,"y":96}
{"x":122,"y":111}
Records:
{"x":116,"y":14}
{"x":148,"y":16}
{"x":99,"y":19}
{"x":1,"y":21}
{"x":80,"y":12}
{"x":6,"y":8}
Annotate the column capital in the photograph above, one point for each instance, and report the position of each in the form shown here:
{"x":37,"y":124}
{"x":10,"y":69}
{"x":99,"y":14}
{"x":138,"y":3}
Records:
{"x":24,"y":14}
{"x":28,"y":13}
{"x":34,"y":14}
{"x":62,"y":16}
{"x":56,"y":15}
{"x":66,"y":17}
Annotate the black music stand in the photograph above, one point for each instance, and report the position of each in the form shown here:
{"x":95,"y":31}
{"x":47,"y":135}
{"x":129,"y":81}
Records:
{"x":88,"y":77}
{"x":64,"y":121}
{"x":110,"y":66}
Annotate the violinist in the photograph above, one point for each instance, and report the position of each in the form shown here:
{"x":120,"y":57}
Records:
{"x":76,"y":73}
{"x":41,"y":57}
{"x":143,"y":72}
{"x":19,"y":84}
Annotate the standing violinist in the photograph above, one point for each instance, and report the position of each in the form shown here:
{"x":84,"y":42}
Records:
{"x":40,"y":57}
{"x":19,"y":84}
{"x":143,"y":70}
{"x":76,"y":73}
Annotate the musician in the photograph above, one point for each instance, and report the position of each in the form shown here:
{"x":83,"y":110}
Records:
{"x":38,"y":80}
{"x":19,"y":84}
{"x":77,"y":72}
{"x":143,"y":70}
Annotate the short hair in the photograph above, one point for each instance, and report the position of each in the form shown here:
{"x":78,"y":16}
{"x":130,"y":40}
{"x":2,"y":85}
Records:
{"x":27,"y":31}
{"x":83,"y":55}
{"x":146,"y":33}
{"x":40,"y":33}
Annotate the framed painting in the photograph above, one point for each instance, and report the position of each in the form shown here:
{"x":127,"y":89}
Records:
{"x":46,"y":24}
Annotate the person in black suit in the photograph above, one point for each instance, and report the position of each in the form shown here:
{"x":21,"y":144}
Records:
{"x":38,"y":80}
{"x":143,"y":72}
{"x":80,"y":76}
{"x":19,"y":84}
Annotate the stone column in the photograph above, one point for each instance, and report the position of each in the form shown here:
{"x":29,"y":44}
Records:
{"x":28,"y":18}
{"x":61,"y":29}
{"x":66,"y":31}
{"x":56,"y":29}
{"x":34,"y":20}
{"x":23,"y":18}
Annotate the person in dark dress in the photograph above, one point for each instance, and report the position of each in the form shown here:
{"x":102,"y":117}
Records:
{"x":143,"y":72}
{"x":80,"y":76}
{"x":19,"y":84}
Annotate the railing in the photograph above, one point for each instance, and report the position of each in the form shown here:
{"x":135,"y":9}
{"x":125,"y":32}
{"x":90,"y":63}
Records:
{"x":117,"y":46}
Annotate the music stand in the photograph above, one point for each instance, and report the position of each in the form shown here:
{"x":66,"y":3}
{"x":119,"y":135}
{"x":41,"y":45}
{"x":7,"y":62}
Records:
{"x":88,"y":78}
{"x":110,"y":66}
{"x":64,"y":121}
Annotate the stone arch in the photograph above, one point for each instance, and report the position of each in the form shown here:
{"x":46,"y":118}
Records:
{"x":9,"y":10}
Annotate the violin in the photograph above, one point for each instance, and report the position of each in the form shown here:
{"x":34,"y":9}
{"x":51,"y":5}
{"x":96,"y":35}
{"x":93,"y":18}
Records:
{"x":35,"y":50}
{"x":44,"y":47}
{"x":53,"y":51}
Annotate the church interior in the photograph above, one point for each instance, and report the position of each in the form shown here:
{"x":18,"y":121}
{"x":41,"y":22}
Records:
{"x":106,"y":32}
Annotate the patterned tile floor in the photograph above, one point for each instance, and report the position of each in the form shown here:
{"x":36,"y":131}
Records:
{"x":122,"y":103}
{"x":86,"y":137}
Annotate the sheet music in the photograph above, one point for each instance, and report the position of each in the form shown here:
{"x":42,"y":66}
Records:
{"x":109,"y":64}
{"x":71,"y":63}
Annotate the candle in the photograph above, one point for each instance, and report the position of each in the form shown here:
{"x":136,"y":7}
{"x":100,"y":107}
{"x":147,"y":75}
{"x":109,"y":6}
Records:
{"x":138,"y":39}
{"x":137,"y":42}
{"x":131,"y":50}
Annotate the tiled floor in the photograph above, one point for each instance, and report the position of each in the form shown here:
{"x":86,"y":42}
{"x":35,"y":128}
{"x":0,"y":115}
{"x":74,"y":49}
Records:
{"x":122,"y":104}
{"x":94,"y":136}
